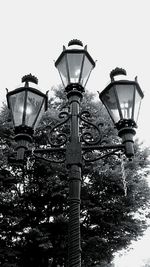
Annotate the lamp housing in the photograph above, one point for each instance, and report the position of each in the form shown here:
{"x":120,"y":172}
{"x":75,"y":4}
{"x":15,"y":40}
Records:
{"x":122,"y":100}
{"x":27,"y":105}
{"x":74,"y":65}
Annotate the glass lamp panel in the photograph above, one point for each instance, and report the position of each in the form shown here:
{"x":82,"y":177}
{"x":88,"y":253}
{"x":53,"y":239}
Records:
{"x":16,"y":102}
{"x":40,"y":114}
{"x":87,"y":68}
{"x":109,"y":100}
{"x":74,"y":65}
{"x":62,"y":69}
{"x":138,"y":99}
{"x":125,"y":94}
{"x":33,"y":107}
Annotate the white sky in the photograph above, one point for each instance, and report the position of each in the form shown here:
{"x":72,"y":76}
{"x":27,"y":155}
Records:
{"x":138,"y":256}
{"x":32,"y":34}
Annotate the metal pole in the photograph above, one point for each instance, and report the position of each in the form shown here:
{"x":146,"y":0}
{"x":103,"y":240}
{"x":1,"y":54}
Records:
{"x":74,"y":250}
{"x":73,"y":158}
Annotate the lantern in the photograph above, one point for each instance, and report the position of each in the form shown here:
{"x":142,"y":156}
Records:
{"x":75,"y":65}
{"x":122,"y":100}
{"x":26,"y":105}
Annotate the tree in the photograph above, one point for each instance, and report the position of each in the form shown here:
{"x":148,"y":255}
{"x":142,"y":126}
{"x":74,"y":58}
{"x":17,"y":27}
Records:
{"x":33,"y":198}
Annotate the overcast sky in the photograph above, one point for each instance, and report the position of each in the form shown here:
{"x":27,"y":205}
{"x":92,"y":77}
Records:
{"x":32,"y":33}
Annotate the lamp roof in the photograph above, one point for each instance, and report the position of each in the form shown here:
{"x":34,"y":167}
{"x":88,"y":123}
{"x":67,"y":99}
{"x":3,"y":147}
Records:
{"x":123,"y":82}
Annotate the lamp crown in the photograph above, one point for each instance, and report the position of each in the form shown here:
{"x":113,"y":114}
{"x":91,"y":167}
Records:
{"x":117,"y":71}
{"x":30,"y":78}
{"x":75,"y":42}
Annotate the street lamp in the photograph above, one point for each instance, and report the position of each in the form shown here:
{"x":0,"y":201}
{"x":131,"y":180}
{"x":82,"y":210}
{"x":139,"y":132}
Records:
{"x":74,"y":66}
{"x":27,"y":106}
{"x":122,"y":100}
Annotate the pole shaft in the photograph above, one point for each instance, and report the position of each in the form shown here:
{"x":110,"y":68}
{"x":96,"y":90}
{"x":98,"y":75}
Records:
{"x":74,"y":217}
{"x":74,"y":241}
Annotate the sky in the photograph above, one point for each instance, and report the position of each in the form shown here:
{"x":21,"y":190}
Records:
{"x":116,"y":32}
{"x":137,"y":256}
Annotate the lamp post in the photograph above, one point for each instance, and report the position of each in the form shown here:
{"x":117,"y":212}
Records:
{"x":122,"y":100}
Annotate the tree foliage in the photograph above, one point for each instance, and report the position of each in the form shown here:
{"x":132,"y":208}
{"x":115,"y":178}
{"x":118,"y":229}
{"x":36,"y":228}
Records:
{"x":34,"y":198}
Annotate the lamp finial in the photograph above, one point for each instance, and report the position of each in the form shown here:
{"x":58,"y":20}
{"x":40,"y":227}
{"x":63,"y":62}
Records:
{"x":75,"y":42}
{"x":117,"y":71}
{"x":30,"y":78}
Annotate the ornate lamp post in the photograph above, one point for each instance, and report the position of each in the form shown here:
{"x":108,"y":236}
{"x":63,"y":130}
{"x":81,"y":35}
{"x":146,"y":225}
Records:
{"x":122,"y":100}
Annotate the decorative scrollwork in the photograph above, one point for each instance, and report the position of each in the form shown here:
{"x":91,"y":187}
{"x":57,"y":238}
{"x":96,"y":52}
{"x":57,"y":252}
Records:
{"x":52,"y":158}
{"x":57,"y":136}
{"x":98,"y":154}
{"x":52,"y":155}
{"x":91,"y":134}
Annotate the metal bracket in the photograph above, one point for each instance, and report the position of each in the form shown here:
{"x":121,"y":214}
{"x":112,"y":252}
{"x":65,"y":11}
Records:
{"x":103,"y":152}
